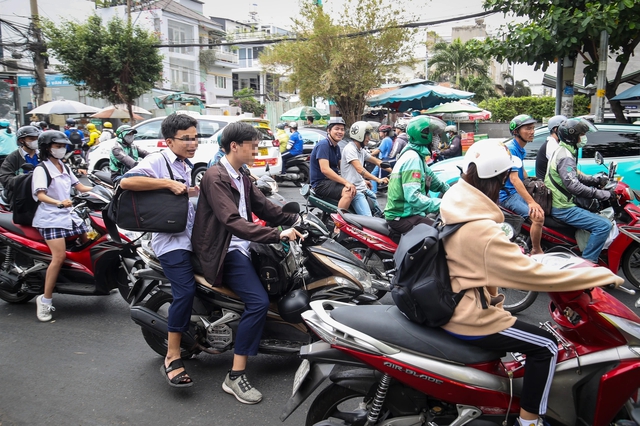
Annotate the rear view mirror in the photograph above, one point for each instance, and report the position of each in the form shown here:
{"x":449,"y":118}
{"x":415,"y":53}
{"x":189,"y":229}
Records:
{"x":599,"y":158}
{"x":291,"y":207}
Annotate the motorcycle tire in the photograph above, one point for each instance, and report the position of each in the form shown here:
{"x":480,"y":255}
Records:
{"x":16,"y":298}
{"x":303,"y":170}
{"x":329,"y":404}
{"x":631,"y":264}
{"x":517,"y":300}
{"x":159,"y":303}
{"x":374,"y":263}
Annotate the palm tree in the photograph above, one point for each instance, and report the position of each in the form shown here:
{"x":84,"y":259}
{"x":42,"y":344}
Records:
{"x":457,"y":59}
{"x":517,"y":88}
{"x":483,"y":87}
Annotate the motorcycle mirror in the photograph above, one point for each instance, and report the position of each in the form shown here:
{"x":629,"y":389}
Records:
{"x":385,"y":165}
{"x":599,"y":158}
{"x":291,"y":207}
{"x":304,"y":191}
{"x":27,"y":167}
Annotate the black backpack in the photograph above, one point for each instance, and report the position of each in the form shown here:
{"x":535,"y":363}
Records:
{"x":22,"y":203}
{"x":76,"y":137}
{"x":421,"y":284}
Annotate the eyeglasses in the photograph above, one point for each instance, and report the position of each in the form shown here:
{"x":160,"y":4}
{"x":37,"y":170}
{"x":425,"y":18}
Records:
{"x":187,"y":138}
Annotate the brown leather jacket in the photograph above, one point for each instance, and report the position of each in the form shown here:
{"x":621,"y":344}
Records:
{"x":217,"y":219}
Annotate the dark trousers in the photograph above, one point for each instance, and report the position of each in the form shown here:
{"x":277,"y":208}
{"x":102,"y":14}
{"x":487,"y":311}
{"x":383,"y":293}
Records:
{"x":406,"y":224}
{"x":177,"y":268}
{"x":541,"y":349}
{"x":285,"y":156}
{"x":239,"y":276}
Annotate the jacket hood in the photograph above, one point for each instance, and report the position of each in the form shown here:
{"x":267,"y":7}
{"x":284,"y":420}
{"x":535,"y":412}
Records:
{"x":465,"y":203}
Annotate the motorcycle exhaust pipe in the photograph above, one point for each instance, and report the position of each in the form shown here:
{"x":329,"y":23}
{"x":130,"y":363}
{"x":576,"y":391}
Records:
{"x":157,"y":324}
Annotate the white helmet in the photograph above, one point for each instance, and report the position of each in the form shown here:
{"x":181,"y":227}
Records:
{"x":293,"y":125}
{"x":491,"y":159}
{"x":451,"y":128}
{"x":359,"y":130}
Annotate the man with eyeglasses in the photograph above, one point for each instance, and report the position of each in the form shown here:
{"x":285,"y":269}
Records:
{"x":173,"y":249}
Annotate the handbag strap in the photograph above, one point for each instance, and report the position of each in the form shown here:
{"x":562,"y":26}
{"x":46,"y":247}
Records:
{"x":168,"y":165}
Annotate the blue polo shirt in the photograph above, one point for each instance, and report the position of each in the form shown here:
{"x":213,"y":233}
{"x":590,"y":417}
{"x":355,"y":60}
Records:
{"x":323,"y":150}
{"x":517,"y":151}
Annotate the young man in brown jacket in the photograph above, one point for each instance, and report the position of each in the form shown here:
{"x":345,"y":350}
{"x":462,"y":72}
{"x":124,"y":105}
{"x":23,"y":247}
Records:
{"x":222,"y":233}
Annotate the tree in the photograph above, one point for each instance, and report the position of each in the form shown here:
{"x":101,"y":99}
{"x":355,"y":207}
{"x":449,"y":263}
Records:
{"x":517,"y":88}
{"x":327,"y":61}
{"x":244,"y":98}
{"x":560,"y":28}
{"x":119,"y":62}
{"x":482,"y":87}
{"x":456,"y":60}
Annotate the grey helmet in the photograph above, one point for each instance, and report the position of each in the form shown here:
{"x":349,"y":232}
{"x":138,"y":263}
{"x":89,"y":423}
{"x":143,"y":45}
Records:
{"x":554,"y":122}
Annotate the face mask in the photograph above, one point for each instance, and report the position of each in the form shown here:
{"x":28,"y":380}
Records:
{"x":32,"y":145}
{"x":58,"y":152}
{"x":128,"y":138}
{"x":583,"y":142}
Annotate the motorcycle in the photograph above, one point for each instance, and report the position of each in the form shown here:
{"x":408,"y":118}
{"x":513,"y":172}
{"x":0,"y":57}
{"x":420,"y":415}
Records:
{"x":297,"y":171}
{"x":624,"y":250}
{"x":90,"y":269}
{"x":402,"y":373}
{"x":317,"y":268}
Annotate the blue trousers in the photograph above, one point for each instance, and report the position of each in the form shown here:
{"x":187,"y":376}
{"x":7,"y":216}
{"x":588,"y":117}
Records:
{"x":361,"y":204}
{"x":177,"y":267}
{"x":516,"y":204}
{"x":239,"y":275}
{"x":583,"y":219}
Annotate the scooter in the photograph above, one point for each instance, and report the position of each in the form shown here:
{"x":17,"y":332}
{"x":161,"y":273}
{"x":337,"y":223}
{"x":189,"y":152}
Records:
{"x":317,"y":268}
{"x":94,"y":268}
{"x":624,"y":250}
{"x":402,"y":373}
{"x":297,"y":171}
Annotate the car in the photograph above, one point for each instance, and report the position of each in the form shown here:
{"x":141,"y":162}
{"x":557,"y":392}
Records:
{"x":150,"y":139}
{"x":311,"y":136}
{"x":616,"y":142}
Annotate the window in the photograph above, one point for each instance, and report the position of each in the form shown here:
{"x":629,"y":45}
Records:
{"x":620,"y":143}
{"x":245,"y":55}
{"x":206,"y":128}
{"x":179,"y":33}
{"x":149,"y":130}
{"x":221,"y":82}
{"x":183,"y":75}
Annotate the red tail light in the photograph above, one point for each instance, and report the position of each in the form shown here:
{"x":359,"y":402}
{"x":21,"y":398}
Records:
{"x":162,"y":144}
{"x":275,"y":143}
{"x":77,"y":152}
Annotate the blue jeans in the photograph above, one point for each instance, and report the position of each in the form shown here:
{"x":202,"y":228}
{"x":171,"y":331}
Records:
{"x":239,"y":275}
{"x":361,"y":205}
{"x":583,"y":219}
{"x":516,"y":204}
{"x":380,"y":174}
{"x":177,"y":268}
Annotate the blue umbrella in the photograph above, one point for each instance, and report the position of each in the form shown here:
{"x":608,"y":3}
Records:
{"x":418,"y":95}
{"x":630,"y":93}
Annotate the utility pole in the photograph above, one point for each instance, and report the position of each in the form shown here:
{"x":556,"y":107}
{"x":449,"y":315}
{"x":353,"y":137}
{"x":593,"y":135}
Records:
{"x":568,"y":72}
{"x":129,"y":11}
{"x":37,"y":49}
{"x":602,"y":76}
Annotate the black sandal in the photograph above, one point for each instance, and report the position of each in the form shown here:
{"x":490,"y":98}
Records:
{"x":181,"y":380}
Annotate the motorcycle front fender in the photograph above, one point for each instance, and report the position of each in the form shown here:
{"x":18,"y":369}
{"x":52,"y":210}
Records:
{"x":144,"y":285}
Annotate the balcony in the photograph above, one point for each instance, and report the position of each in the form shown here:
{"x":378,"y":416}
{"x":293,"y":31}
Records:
{"x":228,"y":57}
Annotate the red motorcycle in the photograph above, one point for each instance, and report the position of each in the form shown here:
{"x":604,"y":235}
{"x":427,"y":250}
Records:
{"x":90,"y":269}
{"x":408,"y":374}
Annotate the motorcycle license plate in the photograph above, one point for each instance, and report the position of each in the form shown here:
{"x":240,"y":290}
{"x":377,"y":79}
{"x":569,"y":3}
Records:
{"x":263,"y":151}
{"x":301,"y":373}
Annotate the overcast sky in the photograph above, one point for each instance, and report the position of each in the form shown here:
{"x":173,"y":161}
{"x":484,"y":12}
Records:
{"x":280,"y":12}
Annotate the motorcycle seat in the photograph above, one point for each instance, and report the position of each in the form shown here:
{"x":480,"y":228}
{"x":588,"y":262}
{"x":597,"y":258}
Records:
{"x":6,"y":222}
{"x":376,"y":224}
{"x":104,"y":176}
{"x":388,"y":324}
{"x":559,"y":226}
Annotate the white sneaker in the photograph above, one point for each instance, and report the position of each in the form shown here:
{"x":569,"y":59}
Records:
{"x":43,"y":309}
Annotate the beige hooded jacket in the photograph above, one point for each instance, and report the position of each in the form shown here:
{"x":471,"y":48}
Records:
{"x":481,"y":257}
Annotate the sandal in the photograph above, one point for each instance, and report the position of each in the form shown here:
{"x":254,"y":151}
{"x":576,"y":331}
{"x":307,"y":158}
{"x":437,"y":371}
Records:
{"x":181,"y":380}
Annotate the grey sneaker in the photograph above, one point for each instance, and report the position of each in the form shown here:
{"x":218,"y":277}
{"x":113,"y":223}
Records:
{"x":241,"y":389}
{"x":43,"y":310}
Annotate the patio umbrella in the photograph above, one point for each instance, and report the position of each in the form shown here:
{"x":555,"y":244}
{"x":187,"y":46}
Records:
{"x":420,"y":94}
{"x":631,"y":93}
{"x":117,"y":112}
{"x":301,"y":113}
{"x":64,"y":107}
{"x":459,"y":111}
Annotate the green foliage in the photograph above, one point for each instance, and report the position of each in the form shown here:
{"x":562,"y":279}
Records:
{"x":244,"y":98}
{"x":207,"y":59}
{"x":558,"y":28}
{"x":344,"y":69}
{"x":504,"y":109}
{"x":457,"y":59}
{"x":118,"y":62}
{"x":483,"y":87}
{"x":516,"y":89}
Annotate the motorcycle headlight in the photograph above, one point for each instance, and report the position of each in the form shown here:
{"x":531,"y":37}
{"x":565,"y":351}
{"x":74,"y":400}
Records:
{"x":355,"y":273}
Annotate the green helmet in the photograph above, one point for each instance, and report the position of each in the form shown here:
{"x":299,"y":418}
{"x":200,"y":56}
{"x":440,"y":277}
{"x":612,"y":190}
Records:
{"x":422,"y":128}
{"x":519,"y":121}
{"x":124,"y":130}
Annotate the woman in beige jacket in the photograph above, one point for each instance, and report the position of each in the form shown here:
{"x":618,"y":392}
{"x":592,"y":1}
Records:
{"x":481,"y":258}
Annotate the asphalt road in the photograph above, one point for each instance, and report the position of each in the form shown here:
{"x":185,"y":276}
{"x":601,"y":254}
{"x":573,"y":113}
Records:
{"x":91,"y":366}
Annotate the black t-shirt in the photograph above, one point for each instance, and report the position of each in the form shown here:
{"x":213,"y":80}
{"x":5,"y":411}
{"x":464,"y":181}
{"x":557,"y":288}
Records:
{"x":542,"y":161}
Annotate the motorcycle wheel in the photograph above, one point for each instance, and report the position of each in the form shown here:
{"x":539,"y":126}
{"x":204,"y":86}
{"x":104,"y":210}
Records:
{"x":337,"y":402}
{"x":374,"y":262}
{"x":123,"y":283}
{"x":631,"y":264}
{"x":303,"y":170}
{"x":159,"y":303}
{"x":517,"y":300}
{"x":17,"y":298}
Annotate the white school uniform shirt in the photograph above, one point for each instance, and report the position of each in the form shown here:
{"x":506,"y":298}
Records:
{"x":49,"y":215}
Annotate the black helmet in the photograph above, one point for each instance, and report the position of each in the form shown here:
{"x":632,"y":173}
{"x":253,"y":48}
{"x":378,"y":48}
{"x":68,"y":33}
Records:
{"x":70,"y":121}
{"x":280,"y":126}
{"x":52,"y":136}
{"x":570,"y":130}
{"x":292,"y":305}
{"x":519,"y":121}
{"x":25,"y":131}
